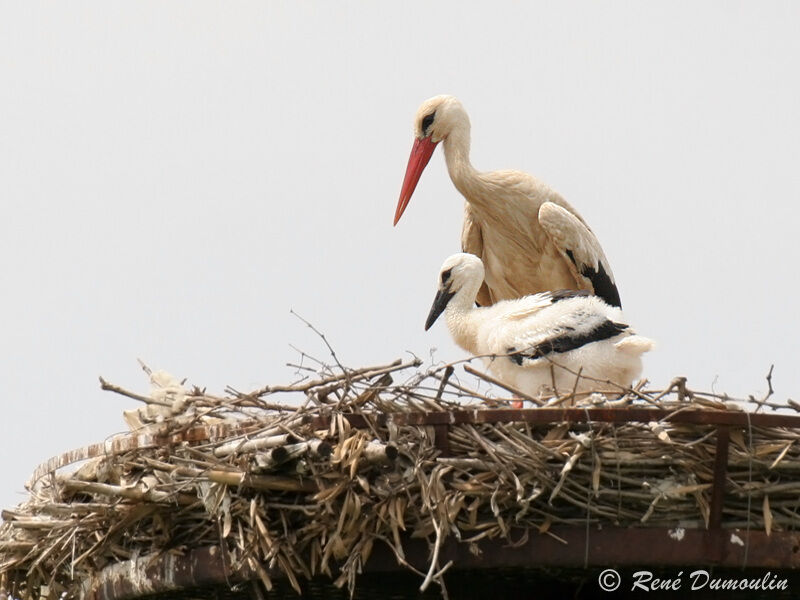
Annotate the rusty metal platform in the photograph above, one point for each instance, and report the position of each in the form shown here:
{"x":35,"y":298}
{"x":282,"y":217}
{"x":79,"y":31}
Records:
{"x":623,"y":548}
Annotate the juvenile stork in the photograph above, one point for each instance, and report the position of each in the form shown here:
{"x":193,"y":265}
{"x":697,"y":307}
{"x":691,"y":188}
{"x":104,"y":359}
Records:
{"x":540,"y":343}
{"x":530,"y":239}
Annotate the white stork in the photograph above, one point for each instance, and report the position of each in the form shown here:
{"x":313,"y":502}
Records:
{"x":530,"y":239}
{"x":539,"y":341}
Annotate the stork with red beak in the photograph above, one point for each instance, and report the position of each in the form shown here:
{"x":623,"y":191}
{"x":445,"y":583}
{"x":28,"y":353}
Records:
{"x":529,"y":238}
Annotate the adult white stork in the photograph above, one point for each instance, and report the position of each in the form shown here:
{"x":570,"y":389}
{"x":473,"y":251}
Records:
{"x":539,"y":344}
{"x":530,"y":239}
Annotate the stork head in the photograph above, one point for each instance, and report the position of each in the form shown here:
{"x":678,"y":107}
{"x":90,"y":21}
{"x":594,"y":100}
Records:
{"x":460,"y":277}
{"x":435,"y":119}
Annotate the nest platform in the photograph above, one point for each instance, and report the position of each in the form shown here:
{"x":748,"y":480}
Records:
{"x":397,"y":469}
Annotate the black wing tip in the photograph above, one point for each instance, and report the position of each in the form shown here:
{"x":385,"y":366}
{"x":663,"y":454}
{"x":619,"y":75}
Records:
{"x":603,"y":286}
{"x":611,"y":296}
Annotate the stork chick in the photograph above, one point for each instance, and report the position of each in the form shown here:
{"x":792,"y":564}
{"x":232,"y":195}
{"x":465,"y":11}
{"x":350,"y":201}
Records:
{"x":529,"y":238}
{"x":539,"y":343}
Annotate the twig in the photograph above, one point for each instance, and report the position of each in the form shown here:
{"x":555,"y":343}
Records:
{"x":447,"y":373}
{"x":435,"y":558}
{"x":324,"y":339}
{"x":763,"y":401}
{"x":333,"y":380}
{"x":500,"y":384}
{"x":110,"y":387}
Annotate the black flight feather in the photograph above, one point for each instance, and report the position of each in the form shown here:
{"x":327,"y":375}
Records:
{"x":565,"y":342}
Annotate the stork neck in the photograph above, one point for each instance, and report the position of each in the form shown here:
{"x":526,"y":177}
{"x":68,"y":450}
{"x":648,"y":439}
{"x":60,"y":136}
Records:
{"x":456,"y":154}
{"x":459,"y":314}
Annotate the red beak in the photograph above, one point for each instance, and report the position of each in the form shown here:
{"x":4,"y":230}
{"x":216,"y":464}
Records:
{"x":420,"y":155}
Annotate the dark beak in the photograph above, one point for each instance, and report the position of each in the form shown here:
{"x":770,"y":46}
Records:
{"x":443,"y":297}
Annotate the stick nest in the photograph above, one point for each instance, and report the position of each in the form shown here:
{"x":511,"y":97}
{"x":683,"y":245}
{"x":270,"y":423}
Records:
{"x":286,"y":487}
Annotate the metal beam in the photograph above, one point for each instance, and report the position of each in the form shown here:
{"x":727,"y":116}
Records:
{"x":720,"y":475}
{"x":609,"y":546}
{"x":155,"y":574}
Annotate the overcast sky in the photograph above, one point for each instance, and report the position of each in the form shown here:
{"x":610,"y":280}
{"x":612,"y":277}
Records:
{"x":175,"y":177}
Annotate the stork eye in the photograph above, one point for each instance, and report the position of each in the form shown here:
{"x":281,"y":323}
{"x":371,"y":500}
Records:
{"x":446,"y":275}
{"x":427,"y":121}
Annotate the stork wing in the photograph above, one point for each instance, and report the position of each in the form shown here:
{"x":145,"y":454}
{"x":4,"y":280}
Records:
{"x":472,"y":243}
{"x":564,"y":340}
{"x":580,"y":248}
{"x":530,"y":305}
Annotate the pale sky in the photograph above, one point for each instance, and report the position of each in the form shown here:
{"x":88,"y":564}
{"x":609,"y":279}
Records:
{"x":175,"y":177}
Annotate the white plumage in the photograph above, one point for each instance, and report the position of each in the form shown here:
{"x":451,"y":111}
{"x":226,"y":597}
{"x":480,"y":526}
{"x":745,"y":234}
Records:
{"x":538,"y":340}
{"x":529,"y":238}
